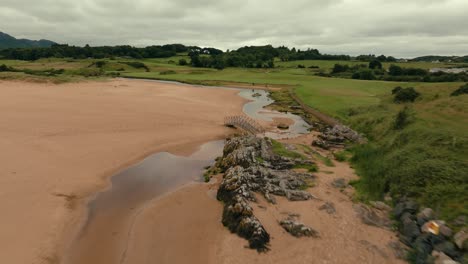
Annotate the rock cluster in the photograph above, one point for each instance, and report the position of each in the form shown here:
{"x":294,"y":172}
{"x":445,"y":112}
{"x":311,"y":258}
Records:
{"x":251,"y":167}
{"x":337,"y":136}
{"x":297,"y":229}
{"x":415,"y":231}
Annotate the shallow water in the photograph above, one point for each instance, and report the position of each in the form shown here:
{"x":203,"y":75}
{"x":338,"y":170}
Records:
{"x":255,"y":109}
{"x":110,"y":213}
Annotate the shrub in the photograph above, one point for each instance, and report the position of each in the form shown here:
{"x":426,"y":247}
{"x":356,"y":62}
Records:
{"x":406,"y":95}
{"x":375,"y":64}
{"x":183,"y":62}
{"x":300,"y":66}
{"x":4,"y":68}
{"x":462,"y":90}
{"x":167,"y":72}
{"x":137,"y":65}
{"x":402,"y":118}
{"x":340,"y":68}
{"x":396,"y":89}
{"x":364,"y":75}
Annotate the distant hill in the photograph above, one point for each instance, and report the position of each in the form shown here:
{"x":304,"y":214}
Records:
{"x":442,"y":58}
{"x":7,"y":41}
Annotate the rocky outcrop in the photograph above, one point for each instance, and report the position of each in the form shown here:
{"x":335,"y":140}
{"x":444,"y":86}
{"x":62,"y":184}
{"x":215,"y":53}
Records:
{"x":251,"y":167}
{"x":298,"y":229}
{"x":337,"y":136}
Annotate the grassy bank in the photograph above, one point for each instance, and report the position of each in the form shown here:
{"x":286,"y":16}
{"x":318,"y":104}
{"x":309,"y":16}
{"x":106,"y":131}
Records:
{"x":425,"y":157}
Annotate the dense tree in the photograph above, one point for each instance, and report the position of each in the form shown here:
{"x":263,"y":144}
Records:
{"x":375,"y":64}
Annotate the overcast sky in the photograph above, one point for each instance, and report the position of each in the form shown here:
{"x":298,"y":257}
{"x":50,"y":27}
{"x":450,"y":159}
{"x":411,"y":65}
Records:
{"x":402,"y":28}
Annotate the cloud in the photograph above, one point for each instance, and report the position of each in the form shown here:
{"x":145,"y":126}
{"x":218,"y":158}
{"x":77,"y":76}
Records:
{"x":394,"y":27}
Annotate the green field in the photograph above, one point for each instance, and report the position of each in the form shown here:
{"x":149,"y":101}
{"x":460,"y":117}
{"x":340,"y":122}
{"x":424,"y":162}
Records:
{"x":427,"y":158}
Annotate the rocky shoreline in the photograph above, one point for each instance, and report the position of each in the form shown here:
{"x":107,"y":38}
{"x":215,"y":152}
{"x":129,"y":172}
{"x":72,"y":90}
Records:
{"x":250,"y":166}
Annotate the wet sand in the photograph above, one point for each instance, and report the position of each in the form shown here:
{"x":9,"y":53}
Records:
{"x":61,"y":143}
{"x":185,"y":227}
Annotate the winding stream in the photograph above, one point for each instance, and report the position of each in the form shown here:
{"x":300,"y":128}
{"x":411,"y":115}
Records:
{"x":103,"y":237}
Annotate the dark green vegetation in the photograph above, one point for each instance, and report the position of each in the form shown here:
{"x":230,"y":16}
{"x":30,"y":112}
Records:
{"x":376,"y":71}
{"x":462,"y":90}
{"x":403,"y":95}
{"x":7,"y":41}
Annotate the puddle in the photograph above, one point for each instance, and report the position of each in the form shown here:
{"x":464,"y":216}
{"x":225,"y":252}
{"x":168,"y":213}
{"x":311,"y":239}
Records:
{"x":104,"y":235}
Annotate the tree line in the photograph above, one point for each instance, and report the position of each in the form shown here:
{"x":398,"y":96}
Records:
{"x":374,"y":71}
{"x":75,"y":52}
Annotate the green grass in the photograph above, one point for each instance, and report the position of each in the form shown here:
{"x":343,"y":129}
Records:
{"x":308,"y":167}
{"x":279,"y":149}
{"x":341,"y":156}
{"x":426,"y":159}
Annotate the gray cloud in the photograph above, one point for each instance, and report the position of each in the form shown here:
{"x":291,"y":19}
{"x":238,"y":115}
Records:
{"x":395,"y":27}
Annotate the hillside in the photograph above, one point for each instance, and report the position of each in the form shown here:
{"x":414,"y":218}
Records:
{"x":7,"y":41}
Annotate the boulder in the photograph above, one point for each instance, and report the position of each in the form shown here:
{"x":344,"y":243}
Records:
{"x":425,"y":215}
{"x":410,"y":230}
{"x":328,"y":207}
{"x":441,"y":258}
{"x":372,"y":216}
{"x":461,"y":239}
{"x":380,"y":206}
{"x":339,"y":183}
{"x":409,"y":206}
{"x":447,"y":248}
{"x":422,"y":247}
{"x":298,"y":229}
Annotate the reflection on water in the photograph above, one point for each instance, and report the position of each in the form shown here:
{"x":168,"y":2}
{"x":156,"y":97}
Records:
{"x":255,"y":109}
{"x":109,"y":213}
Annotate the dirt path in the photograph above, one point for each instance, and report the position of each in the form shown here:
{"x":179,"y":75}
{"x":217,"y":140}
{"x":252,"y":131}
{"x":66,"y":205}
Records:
{"x":185,"y":227}
{"x":60,"y":143}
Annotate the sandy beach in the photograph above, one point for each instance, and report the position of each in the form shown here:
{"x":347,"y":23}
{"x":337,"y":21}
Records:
{"x":185,"y":227}
{"x":61,"y":143}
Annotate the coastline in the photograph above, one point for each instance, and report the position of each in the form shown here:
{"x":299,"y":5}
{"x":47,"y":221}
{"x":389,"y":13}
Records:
{"x":64,"y":197}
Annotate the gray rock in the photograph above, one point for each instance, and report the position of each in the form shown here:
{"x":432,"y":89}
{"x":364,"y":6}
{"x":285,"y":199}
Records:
{"x":425,"y":215}
{"x":447,"y":248}
{"x":372,"y":216}
{"x":461,"y":239}
{"x":409,"y":206}
{"x":422,"y":248}
{"x":250,"y":166}
{"x":410,"y":229}
{"x":441,"y":258}
{"x":339,"y":183}
{"x":298,"y":229}
{"x":328,"y":207}
{"x":380,"y":206}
